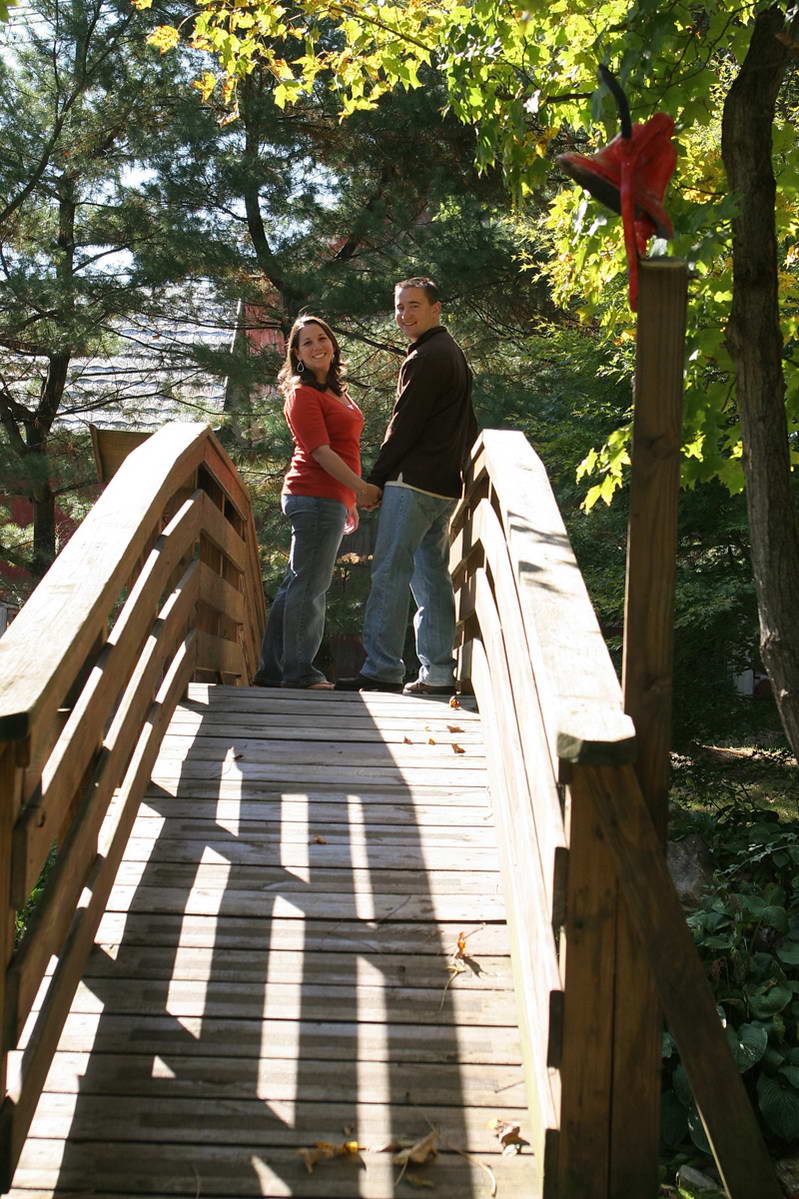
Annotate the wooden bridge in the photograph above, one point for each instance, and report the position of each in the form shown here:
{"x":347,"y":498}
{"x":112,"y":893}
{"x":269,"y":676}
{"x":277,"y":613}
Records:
{"x":293,"y":944}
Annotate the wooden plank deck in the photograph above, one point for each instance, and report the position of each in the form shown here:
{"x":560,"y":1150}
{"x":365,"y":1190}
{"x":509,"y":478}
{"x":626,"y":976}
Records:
{"x":273,"y":969}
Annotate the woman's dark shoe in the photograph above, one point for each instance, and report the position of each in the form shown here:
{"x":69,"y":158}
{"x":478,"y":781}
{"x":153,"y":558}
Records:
{"x":362,"y":682}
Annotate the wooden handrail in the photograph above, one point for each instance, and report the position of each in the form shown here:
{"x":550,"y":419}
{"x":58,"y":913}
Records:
{"x":579,"y":851}
{"x":159,"y":584}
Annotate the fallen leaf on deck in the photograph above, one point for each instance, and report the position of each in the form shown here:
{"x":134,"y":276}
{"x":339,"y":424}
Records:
{"x":407,"y":741}
{"x":458,"y":749}
{"x":431,"y":741}
{"x":459,"y":960}
{"x":325,"y":1150}
{"x":319,"y":841}
{"x":454,"y":702}
{"x":454,"y":728}
{"x":508,"y":1135}
{"x":421,"y":1152}
{"x":417,"y":1181}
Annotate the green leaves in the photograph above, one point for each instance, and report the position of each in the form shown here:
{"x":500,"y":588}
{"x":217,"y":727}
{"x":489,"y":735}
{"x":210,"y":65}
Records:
{"x":748,"y":1044}
{"x":747,"y":932}
{"x":778,"y":1100}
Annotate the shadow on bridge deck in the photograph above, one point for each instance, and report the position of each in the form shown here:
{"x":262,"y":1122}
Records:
{"x":274,"y":966}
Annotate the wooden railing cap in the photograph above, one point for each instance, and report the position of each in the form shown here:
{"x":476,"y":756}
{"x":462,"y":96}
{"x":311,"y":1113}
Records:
{"x":47,"y":643}
{"x":575,"y":677}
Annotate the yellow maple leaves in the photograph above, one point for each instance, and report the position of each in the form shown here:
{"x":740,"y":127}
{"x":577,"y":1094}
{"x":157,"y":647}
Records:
{"x":163,"y":37}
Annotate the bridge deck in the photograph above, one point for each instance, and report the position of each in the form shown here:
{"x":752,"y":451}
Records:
{"x":277,"y":966}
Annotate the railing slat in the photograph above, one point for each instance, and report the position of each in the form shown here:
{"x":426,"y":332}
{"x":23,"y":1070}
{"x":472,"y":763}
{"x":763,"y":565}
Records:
{"x":219,"y":655}
{"x":588,"y":970}
{"x":529,"y":924}
{"x":518,"y":699}
{"x":64,"y":679}
{"x":218,"y":529}
{"x":83,"y":583}
{"x":37,"y":1055}
{"x":68,"y":878}
{"x":83,"y":733}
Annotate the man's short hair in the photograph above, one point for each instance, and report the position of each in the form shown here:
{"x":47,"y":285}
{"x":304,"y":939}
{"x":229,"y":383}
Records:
{"x":428,"y":286}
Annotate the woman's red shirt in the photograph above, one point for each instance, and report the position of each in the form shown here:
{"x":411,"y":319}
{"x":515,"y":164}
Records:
{"x":318,"y":418}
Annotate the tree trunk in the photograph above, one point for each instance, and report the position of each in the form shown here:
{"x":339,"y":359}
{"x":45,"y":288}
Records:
{"x":754,"y":340}
{"x":37,"y":461}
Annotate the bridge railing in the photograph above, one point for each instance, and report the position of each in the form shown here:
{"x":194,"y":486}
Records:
{"x":592,"y":912}
{"x":159,"y":584}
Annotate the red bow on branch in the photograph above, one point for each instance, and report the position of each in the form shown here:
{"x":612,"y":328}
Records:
{"x":630,"y":176}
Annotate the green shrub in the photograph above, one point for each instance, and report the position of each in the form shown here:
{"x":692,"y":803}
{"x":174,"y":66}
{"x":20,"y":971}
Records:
{"x":747,"y":932}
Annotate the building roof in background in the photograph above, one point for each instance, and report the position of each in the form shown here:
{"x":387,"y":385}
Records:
{"x":151,"y":376}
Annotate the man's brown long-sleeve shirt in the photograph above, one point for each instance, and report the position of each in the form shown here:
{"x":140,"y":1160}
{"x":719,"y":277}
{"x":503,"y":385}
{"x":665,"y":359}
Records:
{"x":432,"y":426}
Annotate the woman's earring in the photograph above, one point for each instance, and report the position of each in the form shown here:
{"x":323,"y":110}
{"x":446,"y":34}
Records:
{"x":300,"y":366}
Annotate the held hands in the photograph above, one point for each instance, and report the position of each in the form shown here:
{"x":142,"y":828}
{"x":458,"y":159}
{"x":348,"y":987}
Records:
{"x":369,"y":496}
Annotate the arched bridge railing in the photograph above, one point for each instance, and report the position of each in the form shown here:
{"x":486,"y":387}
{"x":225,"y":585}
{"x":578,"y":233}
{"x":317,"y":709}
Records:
{"x":592,"y":912}
{"x":159,"y":584}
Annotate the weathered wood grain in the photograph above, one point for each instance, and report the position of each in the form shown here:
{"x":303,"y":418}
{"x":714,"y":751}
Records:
{"x":75,"y":699}
{"x":300,"y":965}
{"x":43,"y":1038}
{"x":647,"y":681}
{"x":226,"y":932}
{"x":576,"y":669}
{"x":287,"y":1009}
{"x":84,"y":730}
{"x":420,"y":753}
{"x":151,"y":829}
{"x":252,"y":795}
{"x":77,"y":858}
{"x":203,"y":697}
{"x":529,"y":902}
{"x":359,"y":778}
{"x":587,"y":964}
{"x":655,"y":913}
{"x":201,"y":901}
{"x":265,"y":1040}
{"x":311,"y":854}
{"x":255,"y":1170}
{"x":302,"y":882}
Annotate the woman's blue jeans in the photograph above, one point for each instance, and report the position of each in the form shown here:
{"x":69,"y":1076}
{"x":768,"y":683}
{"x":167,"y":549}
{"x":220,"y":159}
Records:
{"x":297,"y":615}
{"x":411,"y":556}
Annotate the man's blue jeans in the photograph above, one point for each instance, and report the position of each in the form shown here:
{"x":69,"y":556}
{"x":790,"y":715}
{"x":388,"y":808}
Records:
{"x":411,"y":555}
{"x":297,"y":615}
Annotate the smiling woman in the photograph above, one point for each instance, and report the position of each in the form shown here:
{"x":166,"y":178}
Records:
{"x":320,"y":491}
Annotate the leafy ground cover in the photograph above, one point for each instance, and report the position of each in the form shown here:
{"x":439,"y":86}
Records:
{"x":743,"y":803}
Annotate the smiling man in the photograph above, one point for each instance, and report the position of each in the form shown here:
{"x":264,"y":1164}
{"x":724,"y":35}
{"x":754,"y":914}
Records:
{"x":419,"y":468}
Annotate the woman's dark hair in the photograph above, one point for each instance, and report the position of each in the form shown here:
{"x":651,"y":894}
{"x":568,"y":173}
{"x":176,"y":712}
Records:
{"x":291,"y":372}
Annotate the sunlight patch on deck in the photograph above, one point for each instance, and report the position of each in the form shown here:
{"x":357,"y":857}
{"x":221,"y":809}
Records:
{"x":359,"y":856}
{"x":185,"y":952}
{"x":294,"y":811}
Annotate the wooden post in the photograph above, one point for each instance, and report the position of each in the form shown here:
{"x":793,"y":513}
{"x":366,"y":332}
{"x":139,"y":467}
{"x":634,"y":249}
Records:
{"x":652,"y":534}
{"x":11,"y":753}
{"x":646,"y":681}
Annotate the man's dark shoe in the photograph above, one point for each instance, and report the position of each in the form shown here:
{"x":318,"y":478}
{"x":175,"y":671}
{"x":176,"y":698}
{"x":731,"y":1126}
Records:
{"x":420,"y":688}
{"x":362,"y":682}
{"x":261,"y":680}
